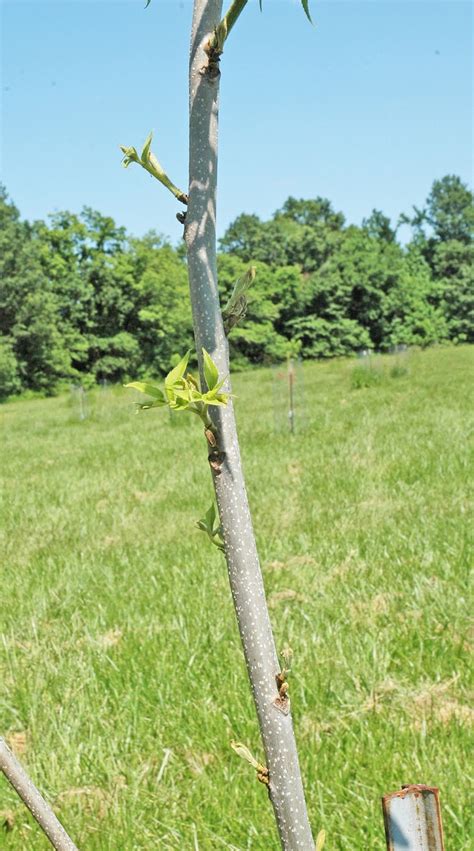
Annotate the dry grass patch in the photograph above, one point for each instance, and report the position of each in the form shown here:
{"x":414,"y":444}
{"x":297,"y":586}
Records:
{"x":18,"y":742}
{"x":284,"y":596}
{"x":198,"y":762}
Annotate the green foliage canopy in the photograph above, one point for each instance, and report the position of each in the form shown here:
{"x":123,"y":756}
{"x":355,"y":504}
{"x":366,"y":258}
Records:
{"x":82,"y":301}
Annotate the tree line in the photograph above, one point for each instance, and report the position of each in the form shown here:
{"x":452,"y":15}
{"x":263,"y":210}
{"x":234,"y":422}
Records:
{"x":82,"y":301}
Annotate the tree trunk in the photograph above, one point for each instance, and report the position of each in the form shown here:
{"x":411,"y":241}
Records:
{"x":39,"y":809}
{"x":285,"y":785}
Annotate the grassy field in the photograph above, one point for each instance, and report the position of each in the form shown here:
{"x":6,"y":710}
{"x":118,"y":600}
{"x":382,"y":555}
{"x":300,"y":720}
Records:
{"x":122,"y":674}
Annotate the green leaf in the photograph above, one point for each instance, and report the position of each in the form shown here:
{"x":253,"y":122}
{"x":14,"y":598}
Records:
{"x":241,"y":286}
{"x":149,"y":389}
{"x":305,"y":5}
{"x":211,"y":517}
{"x":287,"y":655}
{"x":179,"y":403}
{"x":211,"y":373}
{"x":195,"y":396}
{"x":212,"y":394}
{"x":158,"y":170}
{"x":145,"y":154}
{"x":242,"y":751}
{"x":177,"y":373}
{"x":244,"y":282}
{"x":220,"y":400}
{"x":145,"y":406}
{"x":147,"y":3}
{"x":130,"y":155}
{"x":193,"y":381}
{"x":181,"y":399}
{"x":207,"y":525}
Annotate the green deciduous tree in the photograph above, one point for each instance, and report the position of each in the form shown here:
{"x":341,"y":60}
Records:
{"x":444,"y":232}
{"x":120,"y":300}
{"x":10,"y":381}
{"x":324,"y":338}
{"x":163,"y":312}
{"x":378,"y":226}
{"x":260,"y":335}
{"x":82,"y":301}
{"x":453,"y":269}
{"x":450,"y":210}
{"x":302,"y":232}
{"x":412,"y":312}
{"x":30,"y":320}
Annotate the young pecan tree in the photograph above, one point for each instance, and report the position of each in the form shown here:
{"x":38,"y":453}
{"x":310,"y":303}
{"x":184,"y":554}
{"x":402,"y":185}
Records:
{"x":234,"y":534}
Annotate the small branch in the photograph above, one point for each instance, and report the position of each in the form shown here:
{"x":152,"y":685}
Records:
{"x":216,"y":43}
{"x":231,"y":17}
{"x":31,"y":797}
{"x":150,"y":163}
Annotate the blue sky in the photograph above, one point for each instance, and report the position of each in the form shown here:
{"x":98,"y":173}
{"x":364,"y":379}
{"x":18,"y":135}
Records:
{"x":366,"y":108}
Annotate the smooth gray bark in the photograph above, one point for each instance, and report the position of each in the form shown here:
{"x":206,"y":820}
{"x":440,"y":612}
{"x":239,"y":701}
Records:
{"x":285,"y":785}
{"x":39,"y":809}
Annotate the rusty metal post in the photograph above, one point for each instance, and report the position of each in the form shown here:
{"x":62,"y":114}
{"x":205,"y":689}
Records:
{"x":412,"y":819}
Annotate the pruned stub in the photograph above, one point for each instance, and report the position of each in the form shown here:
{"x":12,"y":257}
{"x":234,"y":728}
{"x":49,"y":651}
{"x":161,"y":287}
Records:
{"x":412,"y":818}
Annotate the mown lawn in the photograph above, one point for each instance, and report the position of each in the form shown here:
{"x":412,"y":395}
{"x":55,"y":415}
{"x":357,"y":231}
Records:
{"x":122,"y":674}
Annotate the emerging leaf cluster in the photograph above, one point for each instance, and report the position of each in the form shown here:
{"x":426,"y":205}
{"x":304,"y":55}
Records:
{"x":213,"y":531}
{"x":243,"y":751}
{"x":150,"y":163}
{"x":286,"y":656}
{"x":236,"y":307}
{"x":182,"y":391}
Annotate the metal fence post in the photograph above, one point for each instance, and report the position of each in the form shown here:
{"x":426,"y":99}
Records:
{"x":412,"y":819}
